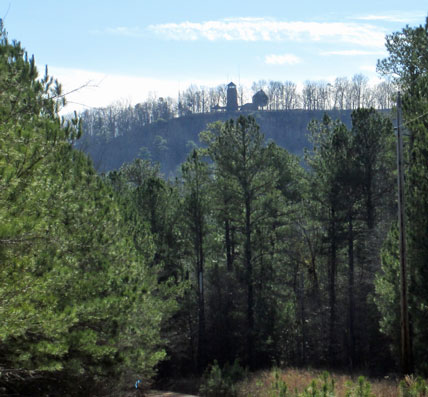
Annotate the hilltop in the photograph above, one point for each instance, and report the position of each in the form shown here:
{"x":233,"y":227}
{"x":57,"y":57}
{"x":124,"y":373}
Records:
{"x":169,"y":141}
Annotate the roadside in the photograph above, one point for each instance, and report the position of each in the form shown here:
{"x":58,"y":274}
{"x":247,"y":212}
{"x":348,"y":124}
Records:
{"x":158,"y":393}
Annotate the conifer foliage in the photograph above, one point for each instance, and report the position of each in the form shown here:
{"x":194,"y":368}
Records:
{"x":246,"y":256}
{"x":407,"y":63}
{"x":77,"y":299}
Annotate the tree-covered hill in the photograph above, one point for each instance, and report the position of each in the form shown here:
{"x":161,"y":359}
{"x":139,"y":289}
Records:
{"x":169,"y":141}
{"x":245,"y":257}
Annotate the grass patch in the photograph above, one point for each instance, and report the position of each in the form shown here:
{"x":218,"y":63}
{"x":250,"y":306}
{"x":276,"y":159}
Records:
{"x":304,"y":383}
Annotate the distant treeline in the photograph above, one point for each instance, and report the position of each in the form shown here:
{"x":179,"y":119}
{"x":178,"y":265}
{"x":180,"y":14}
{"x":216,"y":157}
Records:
{"x":120,"y":140}
{"x":343,"y":94}
{"x":245,"y":256}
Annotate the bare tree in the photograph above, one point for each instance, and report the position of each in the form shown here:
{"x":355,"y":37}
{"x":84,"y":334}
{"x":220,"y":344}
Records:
{"x":340,"y":89}
{"x":259,"y":85}
{"x":359,"y":85}
{"x":383,"y":95}
{"x":222,"y":94}
{"x":309,"y":95}
{"x":290,"y":95}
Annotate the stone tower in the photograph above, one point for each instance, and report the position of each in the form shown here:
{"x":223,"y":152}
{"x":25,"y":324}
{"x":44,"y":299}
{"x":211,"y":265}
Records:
{"x":232,"y":98}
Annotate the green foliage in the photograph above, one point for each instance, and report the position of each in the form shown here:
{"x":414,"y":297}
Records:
{"x":351,"y":177}
{"x":387,"y":289}
{"x":324,"y":386}
{"x":361,"y":388}
{"x":150,"y":207}
{"x":215,"y":385}
{"x":407,"y":63}
{"x":220,"y":382}
{"x":114,"y":136}
{"x":254,"y":184}
{"x":278,"y":387}
{"x":246,"y":254}
{"x":411,"y":387}
{"x":77,"y":299}
{"x":407,"y":59}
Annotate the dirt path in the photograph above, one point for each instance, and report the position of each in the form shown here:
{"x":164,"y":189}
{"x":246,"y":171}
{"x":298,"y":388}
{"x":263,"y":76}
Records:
{"x":158,"y":393}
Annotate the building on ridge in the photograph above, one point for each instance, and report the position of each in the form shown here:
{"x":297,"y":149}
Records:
{"x":259,"y":101}
{"x":232,"y":98}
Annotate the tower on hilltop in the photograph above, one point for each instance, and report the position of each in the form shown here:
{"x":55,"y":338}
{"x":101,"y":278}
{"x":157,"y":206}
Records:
{"x":232,"y":98}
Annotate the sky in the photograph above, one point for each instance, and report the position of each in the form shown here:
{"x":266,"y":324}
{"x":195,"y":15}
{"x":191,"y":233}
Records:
{"x":125,"y":51}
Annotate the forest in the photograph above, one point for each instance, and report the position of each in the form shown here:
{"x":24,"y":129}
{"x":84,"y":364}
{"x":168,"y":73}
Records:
{"x":249,"y":257}
{"x":169,"y":142}
{"x":164,"y":129}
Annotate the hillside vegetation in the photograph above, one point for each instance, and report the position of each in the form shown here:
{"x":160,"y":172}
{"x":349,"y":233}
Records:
{"x":248,"y":259}
{"x":168,"y":142}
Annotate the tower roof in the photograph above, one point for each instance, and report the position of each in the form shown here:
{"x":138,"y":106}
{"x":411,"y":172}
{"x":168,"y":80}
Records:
{"x":231,"y":84}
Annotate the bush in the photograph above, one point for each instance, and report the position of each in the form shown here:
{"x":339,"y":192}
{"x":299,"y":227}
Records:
{"x":322,"y":387}
{"x":360,"y":389}
{"x":218,"y":382}
{"x":279,"y":387}
{"x":411,"y":387}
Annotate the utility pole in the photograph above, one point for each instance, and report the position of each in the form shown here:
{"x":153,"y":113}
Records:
{"x":406,"y":355}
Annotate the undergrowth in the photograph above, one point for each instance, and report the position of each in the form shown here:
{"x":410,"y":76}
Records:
{"x":221,"y":382}
{"x":234,"y":381}
{"x":301,"y":383}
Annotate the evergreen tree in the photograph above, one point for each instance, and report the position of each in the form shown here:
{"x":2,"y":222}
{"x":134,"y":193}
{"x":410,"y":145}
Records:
{"x":352,"y":179}
{"x":241,"y":159}
{"x":195,"y":212}
{"x":77,"y":301}
{"x":328,"y":164}
{"x":408,"y":64}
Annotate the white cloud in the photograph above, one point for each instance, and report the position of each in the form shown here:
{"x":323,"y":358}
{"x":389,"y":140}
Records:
{"x":388,"y":18}
{"x":125,"y":31}
{"x":352,"y":53}
{"x":399,"y":17}
{"x":284,"y":59}
{"x":262,"y":29}
{"x":101,"y":90}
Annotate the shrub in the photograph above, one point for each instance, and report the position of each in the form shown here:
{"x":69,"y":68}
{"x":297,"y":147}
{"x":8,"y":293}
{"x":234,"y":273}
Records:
{"x":360,"y":389}
{"x":322,"y":387}
{"x":279,"y":387}
{"x":411,"y":387}
{"x":218,"y":382}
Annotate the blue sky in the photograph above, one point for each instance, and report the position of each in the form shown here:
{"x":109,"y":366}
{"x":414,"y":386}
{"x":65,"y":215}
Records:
{"x":128,"y":50}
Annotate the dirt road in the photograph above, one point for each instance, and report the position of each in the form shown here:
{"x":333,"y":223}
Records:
{"x":157,"y":393}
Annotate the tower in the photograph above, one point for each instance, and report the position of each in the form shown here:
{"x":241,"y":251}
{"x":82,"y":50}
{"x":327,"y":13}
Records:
{"x":232,"y":98}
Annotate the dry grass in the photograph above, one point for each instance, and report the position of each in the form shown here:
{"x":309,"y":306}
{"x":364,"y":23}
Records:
{"x":260,"y":384}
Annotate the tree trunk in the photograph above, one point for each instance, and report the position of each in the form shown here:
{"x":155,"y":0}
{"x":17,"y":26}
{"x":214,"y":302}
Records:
{"x":332,"y":291}
{"x":301,"y":297}
{"x":229,"y":256}
{"x":351,"y":298}
{"x":249,"y":269}
{"x":201,"y":299}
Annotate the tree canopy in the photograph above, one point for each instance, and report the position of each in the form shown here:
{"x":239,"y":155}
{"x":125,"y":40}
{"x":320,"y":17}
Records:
{"x":77,"y":299}
{"x":248,"y":254}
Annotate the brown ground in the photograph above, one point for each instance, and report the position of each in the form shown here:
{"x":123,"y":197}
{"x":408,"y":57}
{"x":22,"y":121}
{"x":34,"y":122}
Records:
{"x":157,"y":393}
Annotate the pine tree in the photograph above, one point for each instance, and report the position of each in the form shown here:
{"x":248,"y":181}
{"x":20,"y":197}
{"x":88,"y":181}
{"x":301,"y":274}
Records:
{"x":195,"y":212}
{"x":408,"y":64}
{"x":241,"y":159}
{"x":77,"y":301}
